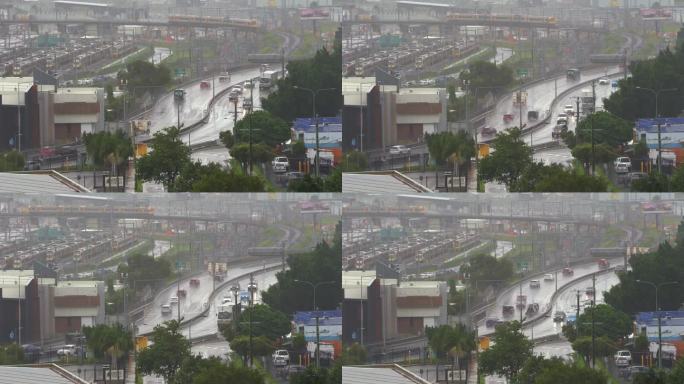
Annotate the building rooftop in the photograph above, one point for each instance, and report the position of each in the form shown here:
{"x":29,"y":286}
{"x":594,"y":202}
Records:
{"x":390,"y":373}
{"x":38,"y":182}
{"x":380,"y":182}
{"x":79,"y":283}
{"x":37,"y":374}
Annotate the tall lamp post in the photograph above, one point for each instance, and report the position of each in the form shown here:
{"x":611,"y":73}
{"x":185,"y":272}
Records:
{"x":660,"y":335}
{"x":318,"y":337}
{"x":315,"y":117}
{"x":656,"y":93}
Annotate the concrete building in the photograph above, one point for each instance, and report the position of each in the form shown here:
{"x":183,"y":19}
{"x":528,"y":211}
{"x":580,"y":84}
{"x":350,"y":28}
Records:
{"x":18,"y":108}
{"x":45,"y":307}
{"x":49,"y":115}
{"x":77,"y":304}
{"x":77,"y":111}
{"x":386,"y":115}
{"x":388,"y":308}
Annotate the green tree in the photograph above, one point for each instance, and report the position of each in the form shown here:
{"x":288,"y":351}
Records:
{"x":569,"y":374}
{"x":354,"y":161}
{"x":261,"y":346}
{"x":510,"y":157}
{"x":113,"y":341}
{"x":12,"y":161}
{"x":677,"y":374}
{"x":654,"y":182}
{"x":168,"y":156}
{"x":215,"y":372}
{"x":485,"y":267}
{"x":143,"y":269}
{"x":266,"y":321}
{"x":299,"y":149}
{"x":322,"y":71}
{"x":321,"y":264}
{"x":602,"y":153}
{"x":665,"y":264}
{"x":261,"y":153}
{"x":313,"y":375}
{"x":227,"y":138}
{"x":604,"y":346}
{"x":445,"y":339}
{"x":266,"y":128}
{"x":11,"y":354}
{"x":607,"y":129}
{"x":197,"y":177}
{"x":508,"y":354}
{"x":107,"y":148}
{"x":538,"y":177}
{"x":142,"y":73}
{"x":354,"y":354}
{"x":167,"y":352}
{"x":663,"y":72}
{"x":610,"y":322}
{"x":483,"y":73}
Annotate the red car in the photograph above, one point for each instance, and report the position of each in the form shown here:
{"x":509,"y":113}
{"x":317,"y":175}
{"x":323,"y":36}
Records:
{"x":182,"y":293}
{"x":194,"y":282}
{"x":507,"y":118}
{"x":567,"y":271}
{"x":603,"y":264}
{"x":205,"y":85}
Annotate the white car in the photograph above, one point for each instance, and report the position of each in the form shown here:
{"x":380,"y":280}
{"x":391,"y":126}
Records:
{"x":603,"y":81}
{"x":281,"y":357}
{"x":165,"y":309}
{"x":569,"y":109}
{"x":399,"y":150}
{"x":173,"y":300}
{"x":238,"y":88}
{"x":280,"y":164}
{"x":623,"y":160}
{"x":623,"y":358}
{"x":622,"y":168}
{"x":67,"y":350}
{"x":548,"y":277}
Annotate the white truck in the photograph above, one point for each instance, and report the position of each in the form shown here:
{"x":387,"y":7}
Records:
{"x":268,"y":79}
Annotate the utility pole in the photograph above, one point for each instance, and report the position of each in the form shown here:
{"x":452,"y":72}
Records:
{"x":522,"y":307}
{"x":578,"y":313}
{"x":577,"y":100}
{"x":249,"y":121}
{"x":591,"y":127}
{"x":593,"y":323}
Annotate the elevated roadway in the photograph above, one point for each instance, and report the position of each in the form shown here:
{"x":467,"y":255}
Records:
{"x":143,"y":22}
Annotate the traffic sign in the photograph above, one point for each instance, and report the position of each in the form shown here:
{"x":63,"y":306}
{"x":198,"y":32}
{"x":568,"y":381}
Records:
{"x":180,"y":72}
{"x":522,"y":72}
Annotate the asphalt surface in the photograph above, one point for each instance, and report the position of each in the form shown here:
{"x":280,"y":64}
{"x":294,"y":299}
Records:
{"x":539,"y":98}
{"x":541,"y":295}
{"x":544,"y":133}
{"x":166,"y":112}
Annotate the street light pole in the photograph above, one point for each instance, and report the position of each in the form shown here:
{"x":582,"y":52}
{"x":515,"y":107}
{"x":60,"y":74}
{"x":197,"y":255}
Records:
{"x":315,"y":117}
{"x":660,"y":335}
{"x":657,"y":117}
{"x":318,"y":337}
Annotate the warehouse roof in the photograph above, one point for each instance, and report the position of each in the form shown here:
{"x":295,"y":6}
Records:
{"x":37,"y":374}
{"x":373,"y":374}
{"x":38,"y":182}
{"x":380,"y":182}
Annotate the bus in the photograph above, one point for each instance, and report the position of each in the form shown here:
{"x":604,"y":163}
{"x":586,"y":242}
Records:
{"x":268,"y":79}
